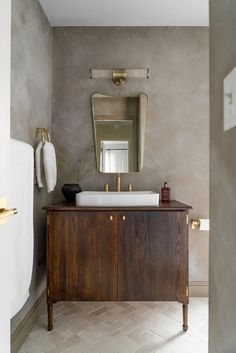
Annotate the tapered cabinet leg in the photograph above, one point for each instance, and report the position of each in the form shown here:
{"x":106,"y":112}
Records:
{"x":185,"y":317}
{"x":50,"y":315}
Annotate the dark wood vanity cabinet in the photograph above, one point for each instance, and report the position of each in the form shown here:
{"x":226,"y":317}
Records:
{"x":117,"y":254}
{"x":82,"y":256}
{"x":152,"y":255}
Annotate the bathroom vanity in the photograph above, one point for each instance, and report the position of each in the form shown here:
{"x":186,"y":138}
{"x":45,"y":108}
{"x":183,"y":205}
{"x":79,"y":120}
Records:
{"x":117,"y":253}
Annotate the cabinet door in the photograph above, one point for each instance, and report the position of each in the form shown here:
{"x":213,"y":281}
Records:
{"x":82,"y":256}
{"x":152,"y":255}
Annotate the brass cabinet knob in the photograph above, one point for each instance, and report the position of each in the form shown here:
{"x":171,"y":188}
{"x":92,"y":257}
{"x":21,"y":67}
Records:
{"x":111,"y":218}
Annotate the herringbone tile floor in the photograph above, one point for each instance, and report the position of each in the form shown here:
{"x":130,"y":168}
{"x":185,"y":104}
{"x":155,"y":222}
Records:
{"x":121,"y":327}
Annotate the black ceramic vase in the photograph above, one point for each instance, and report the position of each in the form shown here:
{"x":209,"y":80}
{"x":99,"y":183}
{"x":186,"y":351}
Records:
{"x":69,"y":191}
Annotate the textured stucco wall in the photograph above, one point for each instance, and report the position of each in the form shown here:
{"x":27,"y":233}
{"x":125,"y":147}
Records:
{"x":31,"y":76}
{"x":222,"y":183}
{"x":177,"y":135}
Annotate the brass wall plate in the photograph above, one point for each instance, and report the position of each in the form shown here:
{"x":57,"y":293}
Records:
{"x":119,"y":76}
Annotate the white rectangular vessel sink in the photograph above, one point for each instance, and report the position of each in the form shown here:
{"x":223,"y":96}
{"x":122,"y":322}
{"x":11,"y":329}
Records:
{"x":123,"y":198}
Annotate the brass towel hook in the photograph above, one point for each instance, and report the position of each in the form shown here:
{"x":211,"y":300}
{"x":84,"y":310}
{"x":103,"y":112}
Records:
{"x":43,"y":131}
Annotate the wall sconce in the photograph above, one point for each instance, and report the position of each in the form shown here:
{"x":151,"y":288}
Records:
{"x":119,"y":76}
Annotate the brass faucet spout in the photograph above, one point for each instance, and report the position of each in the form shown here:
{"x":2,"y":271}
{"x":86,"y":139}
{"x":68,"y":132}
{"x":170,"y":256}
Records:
{"x":118,"y":182}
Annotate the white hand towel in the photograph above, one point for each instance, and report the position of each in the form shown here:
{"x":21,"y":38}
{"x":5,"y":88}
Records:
{"x":50,"y":165}
{"x":20,"y":227}
{"x":38,"y":165}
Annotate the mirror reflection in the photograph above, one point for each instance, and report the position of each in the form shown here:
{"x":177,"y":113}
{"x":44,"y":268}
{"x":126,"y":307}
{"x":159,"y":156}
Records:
{"x":119,"y":130}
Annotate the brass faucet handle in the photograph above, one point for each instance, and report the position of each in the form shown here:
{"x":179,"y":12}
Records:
{"x":106,"y":187}
{"x":130,"y":187}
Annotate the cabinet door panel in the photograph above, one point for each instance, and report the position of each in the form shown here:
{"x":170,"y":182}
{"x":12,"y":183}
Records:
{"x":152,"y":255}
{"x":82,"y":258}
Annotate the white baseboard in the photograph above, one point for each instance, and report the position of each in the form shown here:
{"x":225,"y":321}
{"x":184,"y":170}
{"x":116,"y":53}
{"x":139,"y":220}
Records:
{"x":198,"y":289}
{"x":23,"y":329}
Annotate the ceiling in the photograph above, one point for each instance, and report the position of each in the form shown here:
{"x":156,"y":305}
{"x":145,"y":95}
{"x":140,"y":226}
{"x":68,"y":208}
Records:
{"x":126,"y":12}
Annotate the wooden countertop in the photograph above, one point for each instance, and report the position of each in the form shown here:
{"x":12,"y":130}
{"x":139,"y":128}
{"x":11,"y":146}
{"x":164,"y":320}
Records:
{"x":163,"y":206}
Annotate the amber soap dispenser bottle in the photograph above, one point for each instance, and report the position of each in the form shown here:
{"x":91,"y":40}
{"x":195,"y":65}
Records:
{"x":165,"y":192}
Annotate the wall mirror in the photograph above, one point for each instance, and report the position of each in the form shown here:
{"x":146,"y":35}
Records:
{"x":119,"y":130}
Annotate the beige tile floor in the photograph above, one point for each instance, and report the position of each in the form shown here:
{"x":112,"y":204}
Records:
{"x":121,"y":327}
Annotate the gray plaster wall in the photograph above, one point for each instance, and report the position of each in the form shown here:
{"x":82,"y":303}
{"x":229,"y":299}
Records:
{"x":177,"y":136}
{"x":222,"y":183}
{"x":31,"y":75}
